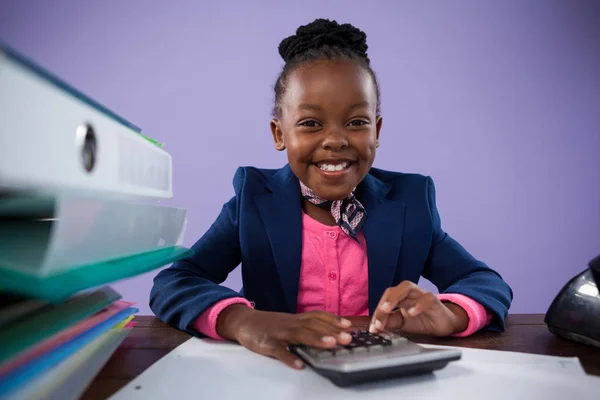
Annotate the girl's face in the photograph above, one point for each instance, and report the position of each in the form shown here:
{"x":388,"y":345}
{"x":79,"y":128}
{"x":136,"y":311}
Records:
{"x":329,"y":126}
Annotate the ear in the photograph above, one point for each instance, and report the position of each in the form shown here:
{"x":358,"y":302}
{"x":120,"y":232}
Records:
{"x":378,"y":128}
{"x":277,"y":134}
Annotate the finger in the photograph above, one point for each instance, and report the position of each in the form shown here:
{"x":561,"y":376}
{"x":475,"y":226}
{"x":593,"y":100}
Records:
{"x":390,"y":300}
{"x":288,"y":358}
{"x":327,"y":317}
{"x":395,"y":320}
{"x":308,"y":337}
{"x":405,"y":304}
{"x":409,"y":302}
{"x":394,"y":296}
{"x":404,"y":313}
{"x":425,"y":302}
{"x":326,"y":329}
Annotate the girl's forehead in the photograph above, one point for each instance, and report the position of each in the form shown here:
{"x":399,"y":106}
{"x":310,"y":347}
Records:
{"x":323,"y":80}
{"x":334,"y":71}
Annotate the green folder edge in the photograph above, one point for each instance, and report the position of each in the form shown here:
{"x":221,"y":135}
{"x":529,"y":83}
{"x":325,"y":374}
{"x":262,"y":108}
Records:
{"x":57,"y":288}
{"x":155,"y":142}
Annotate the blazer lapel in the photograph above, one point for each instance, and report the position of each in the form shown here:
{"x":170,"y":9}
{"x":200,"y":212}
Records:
{"x":281,"y":212}
{"x":383,"y":233}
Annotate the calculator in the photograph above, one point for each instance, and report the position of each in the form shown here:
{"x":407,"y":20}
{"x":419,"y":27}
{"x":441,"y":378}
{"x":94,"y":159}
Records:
{"x":374,"y":357}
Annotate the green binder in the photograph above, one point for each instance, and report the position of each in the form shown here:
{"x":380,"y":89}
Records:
{"x":56,"y":288}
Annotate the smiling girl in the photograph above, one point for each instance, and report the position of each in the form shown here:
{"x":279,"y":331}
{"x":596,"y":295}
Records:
{"x":327,"y":235}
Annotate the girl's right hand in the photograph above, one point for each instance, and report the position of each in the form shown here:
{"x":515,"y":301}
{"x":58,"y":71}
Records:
{"x":270,"y":333}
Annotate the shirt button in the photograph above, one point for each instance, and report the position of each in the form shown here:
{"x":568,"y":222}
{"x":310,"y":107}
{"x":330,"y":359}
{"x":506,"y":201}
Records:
{"x":332,"y":276}
{"x":332,"y":235}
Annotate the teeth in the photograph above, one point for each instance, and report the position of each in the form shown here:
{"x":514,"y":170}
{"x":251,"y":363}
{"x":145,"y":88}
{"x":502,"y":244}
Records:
{"x":333,"y":167}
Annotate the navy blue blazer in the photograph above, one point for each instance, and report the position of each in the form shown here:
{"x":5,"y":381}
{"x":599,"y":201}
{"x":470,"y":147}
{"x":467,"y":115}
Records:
{"x":261,"y":228}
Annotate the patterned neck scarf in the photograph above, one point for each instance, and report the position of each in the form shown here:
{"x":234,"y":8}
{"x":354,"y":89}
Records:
{"x":348,"y":213}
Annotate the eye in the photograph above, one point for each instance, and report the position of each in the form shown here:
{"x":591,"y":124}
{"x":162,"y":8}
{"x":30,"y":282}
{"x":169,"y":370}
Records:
{"x":358,"y":122}
{"x":311,"y":123}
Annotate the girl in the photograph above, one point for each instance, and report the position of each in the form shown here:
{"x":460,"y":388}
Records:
{"x":327,"y":235}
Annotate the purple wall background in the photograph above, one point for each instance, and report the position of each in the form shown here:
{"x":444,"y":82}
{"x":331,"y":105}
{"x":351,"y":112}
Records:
{"x":498,"y":101}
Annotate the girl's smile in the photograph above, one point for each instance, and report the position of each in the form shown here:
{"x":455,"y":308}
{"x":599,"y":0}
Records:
{"x":334,"y":168}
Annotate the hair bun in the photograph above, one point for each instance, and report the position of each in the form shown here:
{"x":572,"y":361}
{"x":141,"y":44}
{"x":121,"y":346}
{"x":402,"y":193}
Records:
{"x":321,"y":33}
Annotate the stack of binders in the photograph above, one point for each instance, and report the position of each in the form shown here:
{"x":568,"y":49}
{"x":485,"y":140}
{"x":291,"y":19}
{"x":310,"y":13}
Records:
{"x":79,"y":209}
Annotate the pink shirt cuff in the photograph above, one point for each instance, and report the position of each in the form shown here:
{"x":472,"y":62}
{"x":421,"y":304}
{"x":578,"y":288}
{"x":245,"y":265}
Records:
{"x":206,"y":322}
{"x":479,"y":317}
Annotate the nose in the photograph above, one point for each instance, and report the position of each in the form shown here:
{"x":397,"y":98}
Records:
{"x":335,"y":140}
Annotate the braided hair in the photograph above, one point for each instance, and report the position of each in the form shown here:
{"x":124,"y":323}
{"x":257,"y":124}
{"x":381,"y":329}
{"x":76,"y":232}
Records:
{"x":320,"y":39}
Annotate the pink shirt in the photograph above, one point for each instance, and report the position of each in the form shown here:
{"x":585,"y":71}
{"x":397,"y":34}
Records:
{"x":334,"y":278}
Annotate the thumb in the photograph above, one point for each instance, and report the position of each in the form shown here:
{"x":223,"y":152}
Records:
{"x":395,"y":321}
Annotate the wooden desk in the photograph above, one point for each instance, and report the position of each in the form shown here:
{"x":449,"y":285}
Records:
{"x":151,"y":339}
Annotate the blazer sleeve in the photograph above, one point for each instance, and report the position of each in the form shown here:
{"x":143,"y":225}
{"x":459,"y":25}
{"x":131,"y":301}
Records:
{"x":190,"y":286}
{"x":454,"y":270}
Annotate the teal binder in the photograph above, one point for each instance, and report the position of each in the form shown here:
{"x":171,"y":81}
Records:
{"x":57,"y":288}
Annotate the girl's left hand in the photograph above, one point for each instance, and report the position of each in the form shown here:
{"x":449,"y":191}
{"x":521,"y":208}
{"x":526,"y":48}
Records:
{"x":414,"y":310}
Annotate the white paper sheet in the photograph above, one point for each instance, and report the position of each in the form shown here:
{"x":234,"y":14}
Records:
{"x":508,"y":359}
{"x":204,"y":369}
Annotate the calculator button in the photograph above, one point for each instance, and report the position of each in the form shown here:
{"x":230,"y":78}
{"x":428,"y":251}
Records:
{"x":376,"y":348}
{"x":312,"y":351}
{"x":324,"y":354}
{"x":399,"y":340}
{"x":342,"y":352}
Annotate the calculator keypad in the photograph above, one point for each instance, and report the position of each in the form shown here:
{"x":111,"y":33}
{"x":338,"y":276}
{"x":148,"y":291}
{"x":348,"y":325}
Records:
{"x":363,"y":342}
{"x":367,"y":339}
